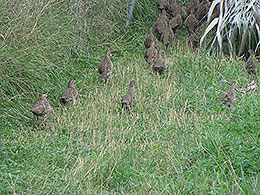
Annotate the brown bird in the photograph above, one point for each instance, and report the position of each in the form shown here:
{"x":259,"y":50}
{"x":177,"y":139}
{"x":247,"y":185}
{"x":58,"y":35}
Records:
{"x":150,"y":54}
{"x":159,"y":65}
{"x":106,"y":66}
{"x":194,"y":39}
{"x":173,"y":8}
{"x":193,"y":6}
{"x":191,"y":22}
{"x":127,"y":100}
{"x":161,"y":23}
{"x":202,"y":10}
{"x":182,"y":11}
{"x":69,"y":94}
{"x":250,"y":63}
{"x":162,"y":4}
{"x":167,"y":36}
{"x":150,"y":38}
{"x":42,"y":108}
{"x":229,"y":97}
{"x":176,"y":22}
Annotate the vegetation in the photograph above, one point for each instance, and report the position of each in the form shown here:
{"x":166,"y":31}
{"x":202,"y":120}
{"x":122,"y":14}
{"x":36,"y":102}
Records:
{"x":237,"y":25}
{"x":177,"y":139}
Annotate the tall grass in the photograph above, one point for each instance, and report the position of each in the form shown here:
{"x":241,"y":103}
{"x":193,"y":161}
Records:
{"x":177,"y":139}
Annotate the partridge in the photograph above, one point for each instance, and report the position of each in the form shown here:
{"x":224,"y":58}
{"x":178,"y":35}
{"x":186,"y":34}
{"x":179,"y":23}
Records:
{"x":161,"y":23}
{"x":193,"y":6}
{"x":42,"y":108}
{"x":182,"y":11}
{"x":106,"y":66}
{"x":69,"y":94}
{"x":162,"y":4}
{"x":150,"y":54}
{"x":202,"y":10}
{"x":191,"y":22}
{"x":150,"y":38}
{"x":127,"y":100}
{"x":159,"y":64}
{"x":194,"y":39}
{"x":229,"y":97}
{"x":167,"y":36}
{"x":173,"y":8}
{"x":250,"y":63}
{"x":176,"y":22}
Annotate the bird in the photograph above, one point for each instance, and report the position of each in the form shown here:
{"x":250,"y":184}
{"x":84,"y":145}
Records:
{"x":202,"y":10}
{"x":173,"y":8}
{"x":167,"y":36}
{"x":176,"y":22}
{"x":42,"y":108}
{"x":229,"y":98}
{"x":159,"y":64}
{"x":150,"y":54}
{"x":194,"y":39}
{"x":191,"y":22}
{"x":127,"y":100}
{"x":193,"y":6}
{"x":69,"y":94}
{"x":151,"y":38}
{"x":250,"y":63}
{"x":161,"y":23}
{"x":182,"y":11}
{"x":162,"y":4}
{"x":106,"y":66}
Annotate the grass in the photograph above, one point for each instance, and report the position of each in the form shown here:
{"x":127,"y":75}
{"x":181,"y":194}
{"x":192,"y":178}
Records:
{"x":178,"y":139}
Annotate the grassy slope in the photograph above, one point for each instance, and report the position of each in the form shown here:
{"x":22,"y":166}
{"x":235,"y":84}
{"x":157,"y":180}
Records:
{"x":177,"y":139}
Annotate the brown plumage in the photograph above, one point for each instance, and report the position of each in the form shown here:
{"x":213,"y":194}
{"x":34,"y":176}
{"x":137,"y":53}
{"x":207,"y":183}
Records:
{"x":193,"y":6}
{"x":202,"y":10}
{"x":159,"y":64}
{"x":106,"y":66}
{"x":176,"y":22}
{"x":167,"y":36}
{"x":250,"y":63}
{"x":42,"y":108}
{"x":150,"y":54}
{"x":229,"y":97}
{"x":191,"y":22}
{"x":161,"y":23}
{"x":150,"y":38}
{"x":127,"y":100}
{"x":182,"y":11}
{"x":194,"y":39}
{"x":173,"y":8}
{"x":69,"y":94}
{"x":162,"y":4}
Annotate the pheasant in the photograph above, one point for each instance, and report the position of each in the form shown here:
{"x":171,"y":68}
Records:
{"x":150,"y":54}
{"x":250,"y":64}
{"x":161,"y":23}
{"x":69,"y":94}
{"x":150,"y":38}
{"x":159,"y":65}
{"x":167,"y":36}
{"x":191,"y":22}
{"x":127,"y":100}
{"x":229,"y":97}
{"x":42,"y":108}
{"x":106,"y":66}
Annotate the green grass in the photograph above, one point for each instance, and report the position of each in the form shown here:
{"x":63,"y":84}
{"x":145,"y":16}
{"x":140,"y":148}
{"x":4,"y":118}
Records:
{"x":177,"y":139}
